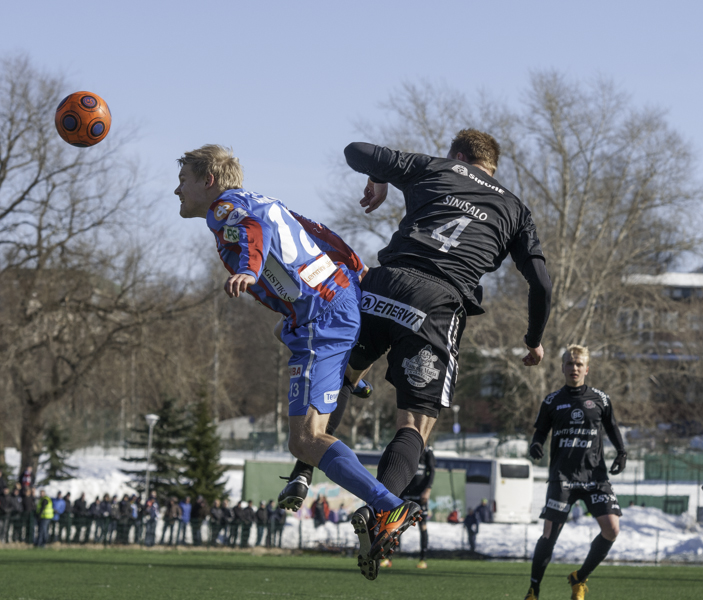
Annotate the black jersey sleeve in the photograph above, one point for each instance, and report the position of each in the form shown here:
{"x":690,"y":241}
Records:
{"x":611,"y":427}
{"x":384,"y":165}
{"x":543,"y":423}
{"x":526,"y":243}
{"x":539,"y":299}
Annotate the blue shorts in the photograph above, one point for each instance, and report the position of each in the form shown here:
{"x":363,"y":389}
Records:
{"x":321,"y":351}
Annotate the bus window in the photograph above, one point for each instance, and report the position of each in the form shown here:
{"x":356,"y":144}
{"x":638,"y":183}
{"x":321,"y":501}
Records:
{"x":514,"y":471}
{"x":478,"y":472}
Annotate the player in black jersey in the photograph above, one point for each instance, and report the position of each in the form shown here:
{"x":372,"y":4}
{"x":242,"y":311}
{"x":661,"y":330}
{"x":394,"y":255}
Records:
{"x":577,"y":415}
{"x":459,"y":224}
{"x":419,"y":490}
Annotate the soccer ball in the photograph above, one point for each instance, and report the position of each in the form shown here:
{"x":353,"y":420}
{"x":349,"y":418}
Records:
{"x":83,"y":119}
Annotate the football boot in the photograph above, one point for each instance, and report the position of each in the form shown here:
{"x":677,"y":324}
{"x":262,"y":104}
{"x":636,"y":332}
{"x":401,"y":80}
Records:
{"x":391,"y":525}
{"x":364,"y":522}
{"x":363,"y":389}
{"x":422,"y":564}
{"x":293,"y":495}
{"x":578,"y":588}
{"x":531,"y":595}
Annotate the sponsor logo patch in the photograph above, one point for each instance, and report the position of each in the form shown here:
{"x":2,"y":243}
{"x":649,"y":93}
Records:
{"x":561,"y":406}
{"x":556,"y":505}
{"x":236,"y":216}
{"x":601,"y":498}
{"x":222,"y":210}
{"x":380,"y":306}
{"x":575,"y":443}
{"x":295,"y":371}
{"x":420,"y":369}
{"x":577,"y":485}
{"x":280,"y":281}
{"x":314,"y":274}
{"x":577,"y":416}
{"x":461,"y":170}
{"x":230,"y":234}
{"x":331,"y":397}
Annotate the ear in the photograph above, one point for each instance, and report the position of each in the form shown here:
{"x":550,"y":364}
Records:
{"x":209,"y":181}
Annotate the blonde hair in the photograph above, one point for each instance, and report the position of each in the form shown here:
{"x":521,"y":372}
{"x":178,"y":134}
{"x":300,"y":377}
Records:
{"x":215,"y":160}
{"x":576,"y":350}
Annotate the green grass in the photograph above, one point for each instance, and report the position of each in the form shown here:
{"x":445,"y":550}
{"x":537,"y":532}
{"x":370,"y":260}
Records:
{"x":116,"y":574}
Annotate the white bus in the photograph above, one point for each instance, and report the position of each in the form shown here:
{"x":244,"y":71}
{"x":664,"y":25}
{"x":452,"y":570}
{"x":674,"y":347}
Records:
{"x":505,"y":482}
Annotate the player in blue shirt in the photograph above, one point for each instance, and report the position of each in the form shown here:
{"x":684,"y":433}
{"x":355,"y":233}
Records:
{"x":269,"y":254}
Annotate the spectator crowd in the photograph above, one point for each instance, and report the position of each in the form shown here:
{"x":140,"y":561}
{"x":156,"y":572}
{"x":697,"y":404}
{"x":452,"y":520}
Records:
{"x":35,"y":518}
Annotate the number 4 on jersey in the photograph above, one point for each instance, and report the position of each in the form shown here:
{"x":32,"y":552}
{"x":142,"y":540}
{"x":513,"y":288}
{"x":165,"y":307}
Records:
{"x":451,"y":241}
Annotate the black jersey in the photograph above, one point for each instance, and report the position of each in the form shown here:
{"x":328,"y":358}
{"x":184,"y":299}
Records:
{"x":460,"y":223}
{"x":424,"y":476}
{"x":577,"y":417}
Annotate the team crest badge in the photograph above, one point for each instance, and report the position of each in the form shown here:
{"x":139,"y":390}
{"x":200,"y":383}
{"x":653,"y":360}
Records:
{"x":420,"y":369}
{"x":589,"y":404}
{"x":222,"y":210}
{"x":461,"y":170}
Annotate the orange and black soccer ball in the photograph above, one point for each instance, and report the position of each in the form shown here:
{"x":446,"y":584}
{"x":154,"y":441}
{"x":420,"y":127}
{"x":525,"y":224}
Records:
{"x":83,"y":119}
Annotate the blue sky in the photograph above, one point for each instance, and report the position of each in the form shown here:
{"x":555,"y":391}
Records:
{"x":284,"y":82}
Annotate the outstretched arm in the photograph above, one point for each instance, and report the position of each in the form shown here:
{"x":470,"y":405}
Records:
{"x":539,"y":303}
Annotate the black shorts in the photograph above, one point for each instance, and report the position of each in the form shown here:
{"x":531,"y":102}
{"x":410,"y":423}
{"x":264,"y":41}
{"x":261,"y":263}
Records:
{"x":420,"y":318}
{"x":598,"y":495}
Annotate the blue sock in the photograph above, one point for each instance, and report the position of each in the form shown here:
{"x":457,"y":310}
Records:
{"x":342,"y":466}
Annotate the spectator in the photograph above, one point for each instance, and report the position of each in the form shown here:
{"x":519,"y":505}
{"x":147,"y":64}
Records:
{"x":227,"y":519}
{"x":186,"y":509}
{"x":484,"y":513}
{"x":5,"y":512}
{"x":104,"y":521}
{"x":471,"y":524}
{"x":27,"y":478}
{"x":342,"y":514}
{"x":262,"y":520}
{"x":114,"y":518}
{"x":66,"y":519}
{"x":59,"y":505}
{"x":248,"y":518}
{"x":136,"y":518}
{"x":453,"y":517}
{"x":197,"y":516}
{"x":237,"y":522}
{"x":3,"y":483}
{"x":80,"y":517}
{"x":270,"y":509}
{"x":215,"y":521}
{"x":320,"y":511}
{"x":29,"y":507}
{"x":94,"y":516}
{"x":171,"y":516}
{"x":123,"y":520}
{"x":15,"y":516}
{"x":45,"y":512}
{"x":151,"y":517}
{"x":279,"y":521}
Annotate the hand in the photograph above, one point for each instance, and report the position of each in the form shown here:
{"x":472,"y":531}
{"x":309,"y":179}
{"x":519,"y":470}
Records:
{"x":536,"y":450}
{"x":425,"y":496}
{"x":619,"y":463}
{"x":533,"y":357}
{"x":374,"y":195}
{"x":238,"y":284}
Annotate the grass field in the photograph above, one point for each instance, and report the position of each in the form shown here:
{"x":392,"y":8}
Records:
{"x":115,"y":574}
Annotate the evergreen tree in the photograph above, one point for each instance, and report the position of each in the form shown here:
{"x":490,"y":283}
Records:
{"x":202,"y":456}
{"x":166,"y":461}
{"x":55,"y":466}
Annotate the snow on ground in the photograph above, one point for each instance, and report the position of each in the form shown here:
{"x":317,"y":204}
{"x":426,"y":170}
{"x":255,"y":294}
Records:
{"x":647,"y":534}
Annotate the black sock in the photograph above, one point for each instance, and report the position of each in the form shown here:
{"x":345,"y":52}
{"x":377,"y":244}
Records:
{"x":400,"y":459}
{"x":338,"y":413}
{"x":423,"y":543}
{"x":305,"y":469}
{"x":599,"y":550}
{"x":543,"y":554}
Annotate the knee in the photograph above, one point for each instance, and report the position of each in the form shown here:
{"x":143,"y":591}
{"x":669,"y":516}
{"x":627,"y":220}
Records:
{"x":611,"y":532}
